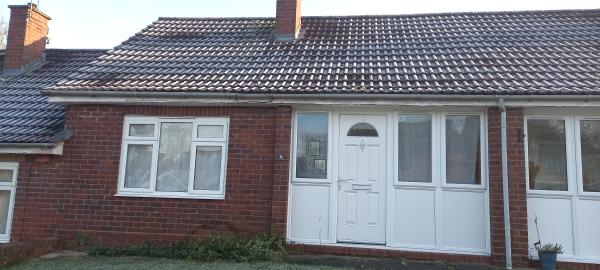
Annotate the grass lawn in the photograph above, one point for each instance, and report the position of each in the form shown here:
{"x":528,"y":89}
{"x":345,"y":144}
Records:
{"x":122,"y":263}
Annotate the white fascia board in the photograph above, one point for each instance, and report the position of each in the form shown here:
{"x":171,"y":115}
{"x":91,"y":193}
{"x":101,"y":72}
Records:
{"x":472,"y":101}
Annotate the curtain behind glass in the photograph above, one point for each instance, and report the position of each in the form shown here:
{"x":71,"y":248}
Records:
{"x":138,"y":166}
{"x":4,"y":206}
{"x":590,"y":155}
{"x":208,"y":168}
{"x":547,"y":151}
{"x":414,"y":148}
{"x":462,"y":149}
{"x":174,"y":157}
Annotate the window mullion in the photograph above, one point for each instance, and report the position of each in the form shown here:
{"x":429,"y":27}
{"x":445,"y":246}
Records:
{"x":192,"y":167}
{"x":155,"y":154}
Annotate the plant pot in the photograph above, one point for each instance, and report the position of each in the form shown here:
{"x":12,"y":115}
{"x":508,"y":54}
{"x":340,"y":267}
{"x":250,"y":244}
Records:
{"x":547,"y":261}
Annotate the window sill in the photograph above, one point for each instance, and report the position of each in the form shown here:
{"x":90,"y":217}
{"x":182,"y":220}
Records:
{"x":171,"y":196}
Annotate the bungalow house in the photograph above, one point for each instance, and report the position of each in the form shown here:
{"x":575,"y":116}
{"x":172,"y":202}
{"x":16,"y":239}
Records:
{"x":432,"y":136}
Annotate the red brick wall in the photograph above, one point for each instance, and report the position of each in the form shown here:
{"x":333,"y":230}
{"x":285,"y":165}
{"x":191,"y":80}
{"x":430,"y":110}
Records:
{"x":26,"y":41}
{"x":58,"y":196}
{"x":75,"y":192}
{"x":281,"y":169}
{"x":517,"y":188}
{"x":288,"y":18}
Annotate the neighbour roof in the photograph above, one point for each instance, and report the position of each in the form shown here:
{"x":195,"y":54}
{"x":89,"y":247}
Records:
{"x":25,"y":115}
{"x":520,"y":53}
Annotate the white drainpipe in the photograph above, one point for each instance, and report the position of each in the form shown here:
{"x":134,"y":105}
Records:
{"x":505,"y":190}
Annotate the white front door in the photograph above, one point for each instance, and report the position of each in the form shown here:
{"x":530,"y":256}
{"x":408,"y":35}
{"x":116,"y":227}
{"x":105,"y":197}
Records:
{"x":361,"y":183}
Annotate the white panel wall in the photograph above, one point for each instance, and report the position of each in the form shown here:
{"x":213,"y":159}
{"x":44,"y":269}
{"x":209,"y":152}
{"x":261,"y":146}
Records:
{"x":554,"y":219}
{"x":309,"y":215}
{"x":464,"y":222}
{"x":414,"y":218}
{"x":589,"y":228}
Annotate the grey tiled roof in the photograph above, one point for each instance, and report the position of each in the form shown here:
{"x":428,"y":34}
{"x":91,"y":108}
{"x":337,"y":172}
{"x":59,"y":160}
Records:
{"x":520,"y":53}
{"x":25,"y":115}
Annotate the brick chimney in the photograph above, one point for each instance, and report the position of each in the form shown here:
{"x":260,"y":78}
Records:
{"x":288,"y":20}
{"x":26,"y":41}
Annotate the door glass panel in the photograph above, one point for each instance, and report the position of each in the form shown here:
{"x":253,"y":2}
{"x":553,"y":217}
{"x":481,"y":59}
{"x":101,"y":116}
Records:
{"x":174,"y":157}
{"x":210,"y":131}
{"x":207,"y":175}
{"x":6,"y":176}
{"x":311,"y":148}
{"x":590,"y":155}
{"x":4,"y":206}
{"x":362,"y":130}
{"x":547,"y":154}
{"x":463,"y":157}
{"x":141,"y":130}
{"x":414,"y":148}
{"x":138,"y":166}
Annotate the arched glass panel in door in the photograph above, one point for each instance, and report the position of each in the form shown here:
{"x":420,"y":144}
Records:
{"x":362,"y":130}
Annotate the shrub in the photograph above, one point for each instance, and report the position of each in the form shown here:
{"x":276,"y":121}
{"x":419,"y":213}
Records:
{"x":211,"y":248}
{"x":550,"y":249}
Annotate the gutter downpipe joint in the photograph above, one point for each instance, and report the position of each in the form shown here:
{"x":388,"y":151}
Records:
{"x":505,"y":189}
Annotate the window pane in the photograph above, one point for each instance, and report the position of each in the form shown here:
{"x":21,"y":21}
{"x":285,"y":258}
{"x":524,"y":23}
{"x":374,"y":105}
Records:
{"x":4,"y":205}
{"x":362,"y":130}
{"x":414,"y":148}
{"x":138,"y":166}
{"x":547,"y":154}
{"x":208,"y":168}
{"x":311,"y":151}
{"x":141,"y":130}
{"x":174,"y":157}
{"x":6,"y":175}
{"x":205,"y":131}
{"x":463,"y":162}
{"x":590,"y":155}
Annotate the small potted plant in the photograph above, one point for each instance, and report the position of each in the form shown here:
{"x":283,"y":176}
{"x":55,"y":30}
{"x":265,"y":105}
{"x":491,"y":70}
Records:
{"x":547,"y":253}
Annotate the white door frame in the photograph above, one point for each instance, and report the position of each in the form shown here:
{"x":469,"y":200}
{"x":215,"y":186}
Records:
{"x":335,"y":175}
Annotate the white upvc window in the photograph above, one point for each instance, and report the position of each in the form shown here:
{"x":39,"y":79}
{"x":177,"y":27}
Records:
{"x":457,"y":139}
{"x":312,"y":147}
{"x":174,"y":157}
{"x":8,"y":186}
{"x":563,"y":155}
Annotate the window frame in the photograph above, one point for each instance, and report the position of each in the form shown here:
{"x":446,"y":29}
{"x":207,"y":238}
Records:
{"x":211,"y":122}
{"x":438,"y":149}
{"x":155,"y":142}
{"x":293,"y":157}
{"x":12,"y":188}
{"x":569,"y":141}
{"x":482,"y":151}
{"x":579,"y":157}
{"x":434,"y":164}
{"x":222,"y":170}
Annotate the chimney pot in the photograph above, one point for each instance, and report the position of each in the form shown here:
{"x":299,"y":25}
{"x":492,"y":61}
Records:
{"x":26,"y":40}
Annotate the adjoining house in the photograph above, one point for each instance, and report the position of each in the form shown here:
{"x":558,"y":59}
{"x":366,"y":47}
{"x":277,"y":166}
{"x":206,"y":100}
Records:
{"x":403,"y":135}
